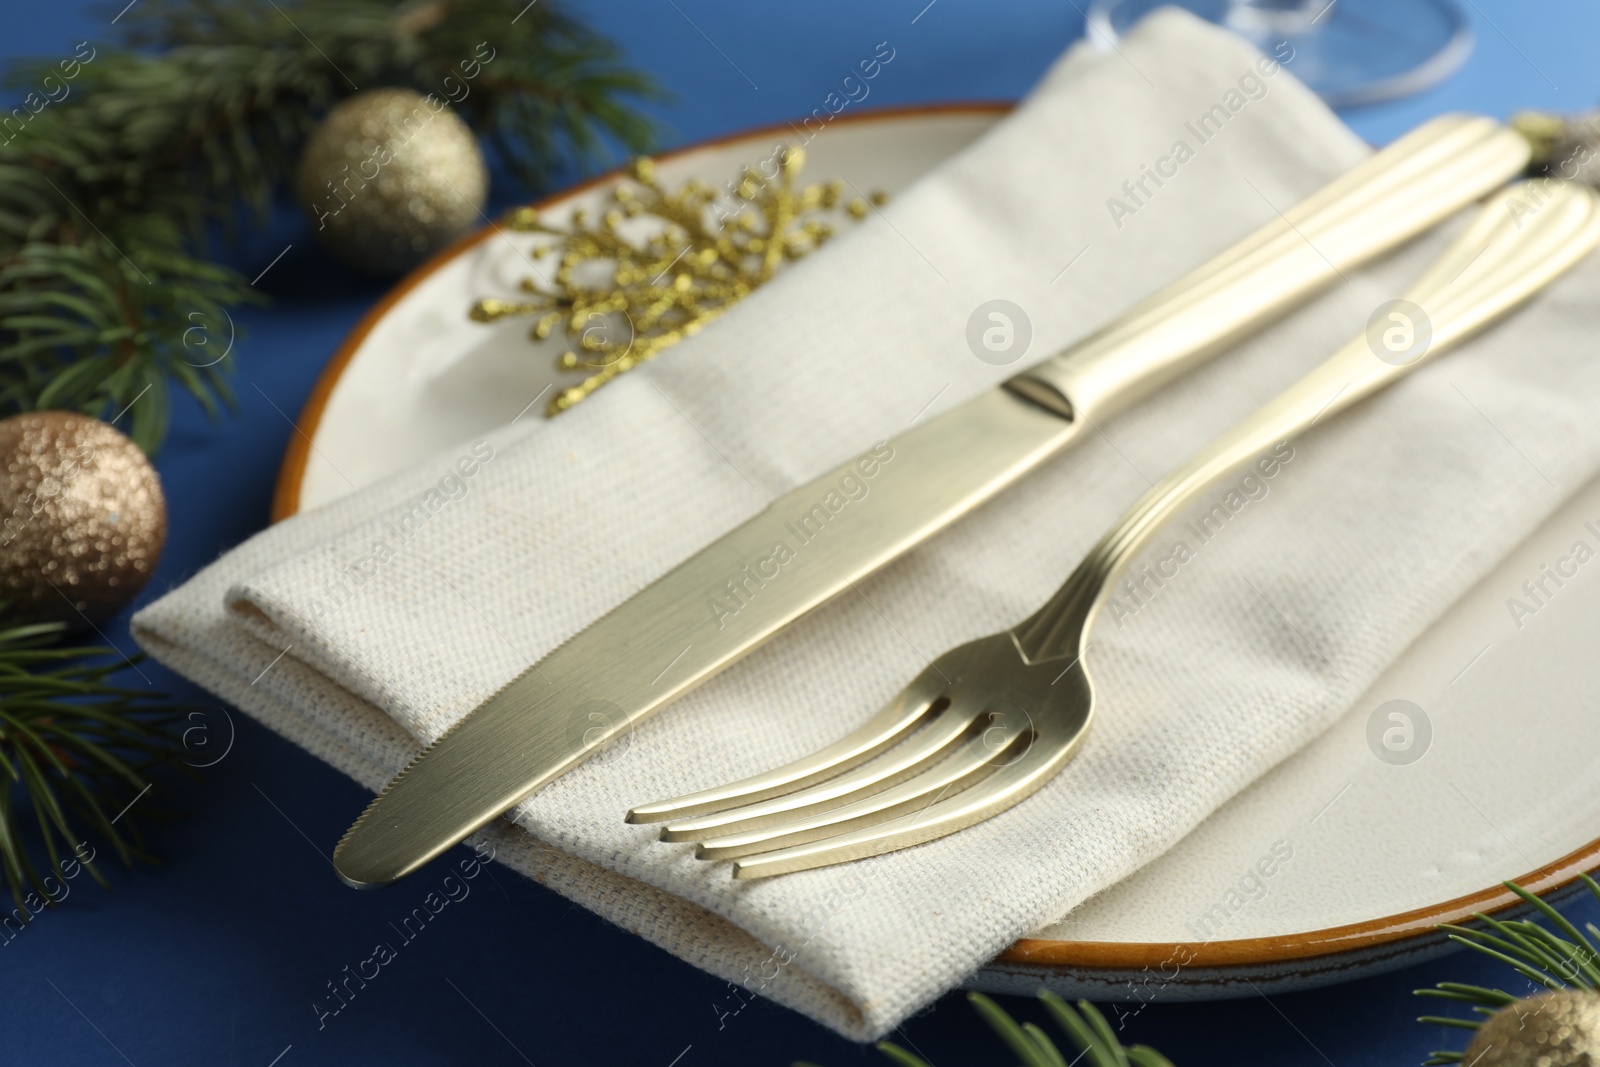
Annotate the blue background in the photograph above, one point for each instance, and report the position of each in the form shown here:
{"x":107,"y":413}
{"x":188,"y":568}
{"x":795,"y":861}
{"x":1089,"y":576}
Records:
{"x":217,"y":956}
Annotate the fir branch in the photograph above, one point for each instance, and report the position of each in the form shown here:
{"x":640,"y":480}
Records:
{"x":553,"y":93}
{"x":1539,"y":954}
{"x":82,"y":327}
{"x":77,"y":745}
{"x":111,"y":180}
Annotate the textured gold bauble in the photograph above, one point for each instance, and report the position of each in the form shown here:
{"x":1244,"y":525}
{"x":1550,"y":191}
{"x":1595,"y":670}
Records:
{"x":390,"y":177}
{"x":1559,"y":1029}
{"x":82,"y":518}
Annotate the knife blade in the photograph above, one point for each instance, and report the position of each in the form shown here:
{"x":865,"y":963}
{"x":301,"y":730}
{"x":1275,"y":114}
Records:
{"x":820,"y":539}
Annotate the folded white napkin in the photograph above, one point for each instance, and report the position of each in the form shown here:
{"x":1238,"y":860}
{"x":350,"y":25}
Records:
{"x":403,"y":606}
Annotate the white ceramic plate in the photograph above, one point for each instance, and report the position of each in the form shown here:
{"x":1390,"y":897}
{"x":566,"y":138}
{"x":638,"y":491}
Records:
{"x":1286,"y":886}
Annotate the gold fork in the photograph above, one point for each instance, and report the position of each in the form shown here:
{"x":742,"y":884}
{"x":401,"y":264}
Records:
{"x":989,"y":722}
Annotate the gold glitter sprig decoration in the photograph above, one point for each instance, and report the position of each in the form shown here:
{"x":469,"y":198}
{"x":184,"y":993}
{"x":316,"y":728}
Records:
{"x":657,"y":266}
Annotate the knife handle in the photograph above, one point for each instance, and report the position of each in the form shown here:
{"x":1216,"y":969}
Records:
{"x":1399,"y":192}
{"x":1500,"y":262}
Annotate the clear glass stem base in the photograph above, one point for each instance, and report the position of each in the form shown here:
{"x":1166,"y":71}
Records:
{"x":1349,"y":51}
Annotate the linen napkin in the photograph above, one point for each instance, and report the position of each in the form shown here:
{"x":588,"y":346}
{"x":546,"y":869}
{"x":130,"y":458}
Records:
{"x":366,"y":628}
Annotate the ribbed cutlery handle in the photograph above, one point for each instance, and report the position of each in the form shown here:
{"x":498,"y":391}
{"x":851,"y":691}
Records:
{"x":1523,"y":238}
{"x":1399,"y":192}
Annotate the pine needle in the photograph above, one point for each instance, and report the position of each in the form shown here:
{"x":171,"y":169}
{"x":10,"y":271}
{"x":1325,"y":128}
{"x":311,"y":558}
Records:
{"x":75,"y":748}
{"x":1533,"y":951}
{"x":111,"y":193}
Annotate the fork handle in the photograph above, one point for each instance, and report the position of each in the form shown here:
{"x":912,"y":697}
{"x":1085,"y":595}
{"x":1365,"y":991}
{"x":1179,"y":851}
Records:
{"x":1496,"y":265}
{"x":1397,"y":193}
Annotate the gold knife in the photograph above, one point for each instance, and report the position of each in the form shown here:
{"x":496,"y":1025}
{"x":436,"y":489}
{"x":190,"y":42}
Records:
{"x":819,"y":539}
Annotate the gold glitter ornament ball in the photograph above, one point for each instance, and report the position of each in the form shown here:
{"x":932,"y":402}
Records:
{"x":82,"y":518}
{"x":390,"y":177}
{"x":1559,"y":1029}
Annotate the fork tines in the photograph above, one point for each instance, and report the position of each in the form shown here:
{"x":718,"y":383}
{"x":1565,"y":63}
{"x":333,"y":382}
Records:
{"x":952,"y":748}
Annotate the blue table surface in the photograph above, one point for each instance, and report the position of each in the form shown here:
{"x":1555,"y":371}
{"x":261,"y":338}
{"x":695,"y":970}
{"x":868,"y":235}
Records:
{"x":220,"y":955}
